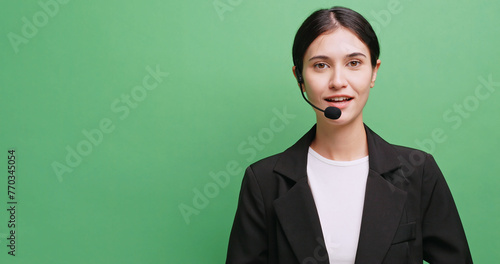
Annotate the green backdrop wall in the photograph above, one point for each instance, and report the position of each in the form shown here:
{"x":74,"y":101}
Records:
{"x":132,"y":121}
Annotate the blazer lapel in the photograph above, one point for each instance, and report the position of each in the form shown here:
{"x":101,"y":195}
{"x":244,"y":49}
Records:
{"x":295,"y":208}
{"x":299,"y":219}
{"x":384,"y":201}
{"x":382,"y":211}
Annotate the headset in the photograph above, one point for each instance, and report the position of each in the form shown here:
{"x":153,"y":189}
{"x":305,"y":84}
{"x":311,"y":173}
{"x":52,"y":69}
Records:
{"x":330,"y":112}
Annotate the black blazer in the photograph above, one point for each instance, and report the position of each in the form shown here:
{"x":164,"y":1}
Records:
{"x":408,"y":214}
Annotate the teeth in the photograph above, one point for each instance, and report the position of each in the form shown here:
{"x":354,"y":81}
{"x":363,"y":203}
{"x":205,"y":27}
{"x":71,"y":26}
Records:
{"x":337,"y":99}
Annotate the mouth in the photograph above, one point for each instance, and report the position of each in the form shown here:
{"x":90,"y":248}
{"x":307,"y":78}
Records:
{"x":339,"y":101}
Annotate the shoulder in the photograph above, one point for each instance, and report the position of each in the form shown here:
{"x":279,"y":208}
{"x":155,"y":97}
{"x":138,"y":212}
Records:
{"x":265,"y":167}
{"x":413,"y":159}
{"x":292,"y":162}
{"x":407,"y":168}
{"x":398,"y":156}
{"x":410,"y":153}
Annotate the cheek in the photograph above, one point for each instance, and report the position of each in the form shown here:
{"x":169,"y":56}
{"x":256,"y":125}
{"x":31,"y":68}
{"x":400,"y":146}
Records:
{"x":316,"y":85}
{"x":362,"y":85}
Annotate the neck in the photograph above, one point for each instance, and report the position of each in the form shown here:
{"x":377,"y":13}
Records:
{"x":345,"y":142}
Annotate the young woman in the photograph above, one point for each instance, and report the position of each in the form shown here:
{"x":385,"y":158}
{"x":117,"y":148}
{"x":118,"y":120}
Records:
{"x":342,"y":194}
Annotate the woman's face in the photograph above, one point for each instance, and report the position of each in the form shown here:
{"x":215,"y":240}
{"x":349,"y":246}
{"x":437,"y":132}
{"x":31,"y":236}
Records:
{"x":337,"y":72}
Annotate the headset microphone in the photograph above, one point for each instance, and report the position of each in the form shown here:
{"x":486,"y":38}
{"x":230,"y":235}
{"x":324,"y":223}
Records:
{"x":330,"y":112}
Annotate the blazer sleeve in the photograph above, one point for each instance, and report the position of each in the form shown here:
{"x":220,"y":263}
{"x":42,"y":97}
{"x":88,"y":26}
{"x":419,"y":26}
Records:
{"x":248,"y":239}
{"x":443,"y":235}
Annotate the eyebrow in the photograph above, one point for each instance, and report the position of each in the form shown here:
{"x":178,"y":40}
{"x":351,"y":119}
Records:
{"x":355,"y":54}
{"x":323,"y":57}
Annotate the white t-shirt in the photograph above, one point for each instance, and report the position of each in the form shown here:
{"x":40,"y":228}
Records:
{"x":338,"y":188}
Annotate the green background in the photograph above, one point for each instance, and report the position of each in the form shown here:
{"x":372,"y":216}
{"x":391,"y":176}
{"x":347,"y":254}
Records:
{"x":229,"y":72}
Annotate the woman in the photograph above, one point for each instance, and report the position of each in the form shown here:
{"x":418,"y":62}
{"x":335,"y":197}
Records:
{"x":341,"y":194}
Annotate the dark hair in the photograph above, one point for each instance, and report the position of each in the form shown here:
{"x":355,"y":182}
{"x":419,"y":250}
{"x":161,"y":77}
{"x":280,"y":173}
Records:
{"x":325,"y":20}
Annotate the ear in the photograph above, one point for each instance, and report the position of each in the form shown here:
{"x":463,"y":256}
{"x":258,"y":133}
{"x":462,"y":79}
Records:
{"x":297,"y":79}
{"x":374,"y":74}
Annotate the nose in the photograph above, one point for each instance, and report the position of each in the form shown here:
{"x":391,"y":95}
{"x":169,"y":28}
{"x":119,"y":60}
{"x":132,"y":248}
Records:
{"x":337,"y":80}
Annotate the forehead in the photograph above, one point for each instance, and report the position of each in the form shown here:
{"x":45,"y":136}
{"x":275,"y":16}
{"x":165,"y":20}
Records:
{"x":339,"y":42}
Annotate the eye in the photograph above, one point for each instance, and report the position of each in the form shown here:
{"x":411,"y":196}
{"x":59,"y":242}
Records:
{"x":320,"y":65}
{"x":354,"y":63}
